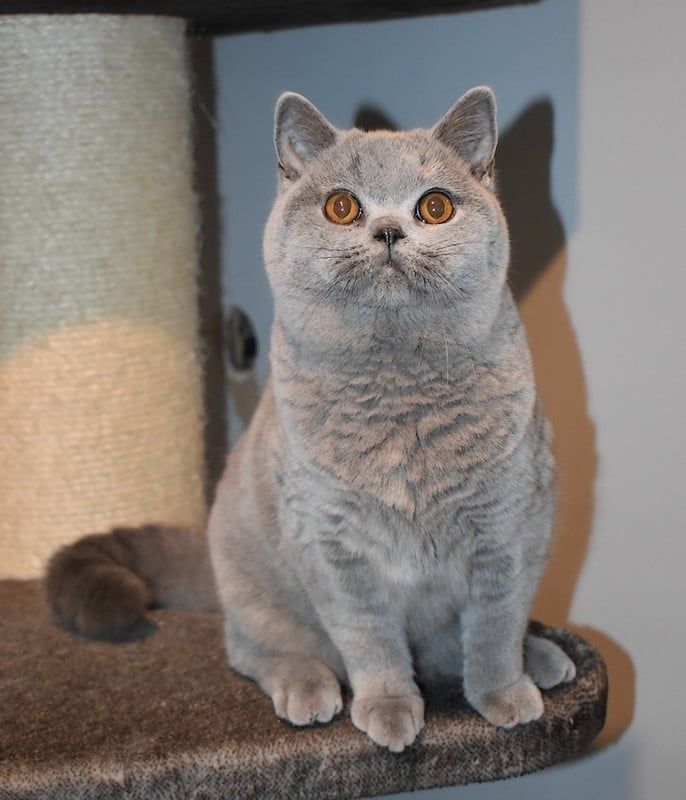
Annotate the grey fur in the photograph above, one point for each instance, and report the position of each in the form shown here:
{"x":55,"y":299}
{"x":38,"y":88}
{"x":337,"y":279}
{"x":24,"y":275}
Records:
{"x":389,"y":508}
{"x":387,"y":512}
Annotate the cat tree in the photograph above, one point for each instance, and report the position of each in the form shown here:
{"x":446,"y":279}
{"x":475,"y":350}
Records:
{"x":100,"y":412}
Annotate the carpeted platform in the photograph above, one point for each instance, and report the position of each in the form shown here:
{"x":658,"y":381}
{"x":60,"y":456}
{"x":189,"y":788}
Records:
{"x":164,"y":717}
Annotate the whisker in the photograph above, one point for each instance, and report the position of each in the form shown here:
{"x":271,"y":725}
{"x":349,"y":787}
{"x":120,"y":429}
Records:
{"x":322,"y":248}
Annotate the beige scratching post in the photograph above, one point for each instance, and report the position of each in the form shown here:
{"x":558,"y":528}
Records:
{"x":100,"y":392}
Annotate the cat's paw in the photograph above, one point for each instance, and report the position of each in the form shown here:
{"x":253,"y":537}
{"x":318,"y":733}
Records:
{"x":546,"y":663}
{"x":306,"y":697}
{"x":517,"y":703}
{"x":392,"y":721}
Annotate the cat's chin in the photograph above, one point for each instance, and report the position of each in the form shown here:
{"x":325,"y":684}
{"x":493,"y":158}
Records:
{"x":382,"y":283}
{"x":394,"y":294}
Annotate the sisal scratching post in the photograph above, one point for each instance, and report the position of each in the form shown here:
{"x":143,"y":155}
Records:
{"x":100,"y":394}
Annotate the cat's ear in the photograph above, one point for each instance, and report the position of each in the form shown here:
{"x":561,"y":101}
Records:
{"x":301,"y":132}
{"x":469,"y":128}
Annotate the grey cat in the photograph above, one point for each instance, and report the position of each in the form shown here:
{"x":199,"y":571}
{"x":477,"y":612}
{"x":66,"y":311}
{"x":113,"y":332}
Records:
{"x":388,"y":511}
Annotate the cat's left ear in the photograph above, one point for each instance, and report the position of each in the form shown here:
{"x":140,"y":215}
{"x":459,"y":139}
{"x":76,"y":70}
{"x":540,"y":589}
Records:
{"x":301,"y":132}
{"x":469,"y":128}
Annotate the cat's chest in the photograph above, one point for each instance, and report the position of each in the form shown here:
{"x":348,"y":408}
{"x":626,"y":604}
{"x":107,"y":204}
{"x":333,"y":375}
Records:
{"x":407,"y":438}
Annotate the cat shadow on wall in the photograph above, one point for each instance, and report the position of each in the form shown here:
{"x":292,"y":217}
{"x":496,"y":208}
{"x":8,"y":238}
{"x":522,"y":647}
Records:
{"x":536,"y":276}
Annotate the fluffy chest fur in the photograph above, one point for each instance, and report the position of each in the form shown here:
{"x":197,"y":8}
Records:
{"x":405,"y":445}
{"x":411,"y":432}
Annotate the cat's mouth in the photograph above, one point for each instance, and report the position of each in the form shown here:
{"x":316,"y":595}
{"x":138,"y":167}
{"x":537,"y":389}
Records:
{"x":388,"y":266}
{"x":392,"y":279}
{"x":391,"y":269}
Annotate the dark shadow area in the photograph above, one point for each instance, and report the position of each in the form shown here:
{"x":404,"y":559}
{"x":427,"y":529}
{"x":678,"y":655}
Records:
{"x":537,"y":276}
{"x":523,"y":184}
{"x":539,"y":263}
{"x":215,"y":17}
{"x":144,"y":628}
{"x":209,"y":278}
{"x":140,"y":630}
{"x":371,"y":118}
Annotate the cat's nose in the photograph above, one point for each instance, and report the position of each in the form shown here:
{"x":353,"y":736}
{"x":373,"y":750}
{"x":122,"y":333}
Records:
{"x":389,"y":234}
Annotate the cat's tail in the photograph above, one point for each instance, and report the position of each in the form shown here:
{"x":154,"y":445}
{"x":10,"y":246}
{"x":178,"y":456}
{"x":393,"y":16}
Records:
{"x":102,"y":584}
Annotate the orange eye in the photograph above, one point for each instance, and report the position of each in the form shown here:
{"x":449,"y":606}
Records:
{"x":342,"y":208}
{"x":435,"y":207}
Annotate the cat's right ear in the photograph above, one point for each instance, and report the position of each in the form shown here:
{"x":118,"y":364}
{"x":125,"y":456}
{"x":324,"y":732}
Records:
{"x":469,"y":128}
{"x":301,"y":132}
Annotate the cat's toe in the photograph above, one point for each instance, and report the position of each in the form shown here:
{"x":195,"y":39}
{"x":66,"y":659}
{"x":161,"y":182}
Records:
{"x":303,"y":701}
{"x":546,"y":663}
{"x":391,"y":722}
{"x":516,"y":704}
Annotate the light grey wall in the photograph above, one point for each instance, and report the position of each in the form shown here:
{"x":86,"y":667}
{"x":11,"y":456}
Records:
{"x":602,"y":83}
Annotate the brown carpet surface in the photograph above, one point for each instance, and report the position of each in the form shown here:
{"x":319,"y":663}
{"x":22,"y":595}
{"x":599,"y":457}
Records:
{"x":164,"y":717}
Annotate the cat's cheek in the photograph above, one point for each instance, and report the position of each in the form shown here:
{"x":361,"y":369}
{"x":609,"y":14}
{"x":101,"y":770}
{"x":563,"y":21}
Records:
{"x":458,"y":217}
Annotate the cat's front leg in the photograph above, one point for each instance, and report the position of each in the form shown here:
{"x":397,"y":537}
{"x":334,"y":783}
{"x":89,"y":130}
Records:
{"x":371,"y":638}
{"x":493,"y":628}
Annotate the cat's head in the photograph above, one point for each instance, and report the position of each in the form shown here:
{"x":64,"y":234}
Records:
{"x":398,"y":224}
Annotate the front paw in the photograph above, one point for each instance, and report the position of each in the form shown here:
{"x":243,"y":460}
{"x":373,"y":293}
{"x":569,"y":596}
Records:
{"x":547,"y":663}
{"x":306,"y":695}
{"x":517,"y":703}
{"x":392,"y":721}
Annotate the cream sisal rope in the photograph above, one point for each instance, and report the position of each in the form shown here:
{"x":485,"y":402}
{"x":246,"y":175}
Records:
{"x":100,"y":397}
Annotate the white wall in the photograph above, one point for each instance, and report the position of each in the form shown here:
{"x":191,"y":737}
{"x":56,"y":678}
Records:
{"x":604,"y":314}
